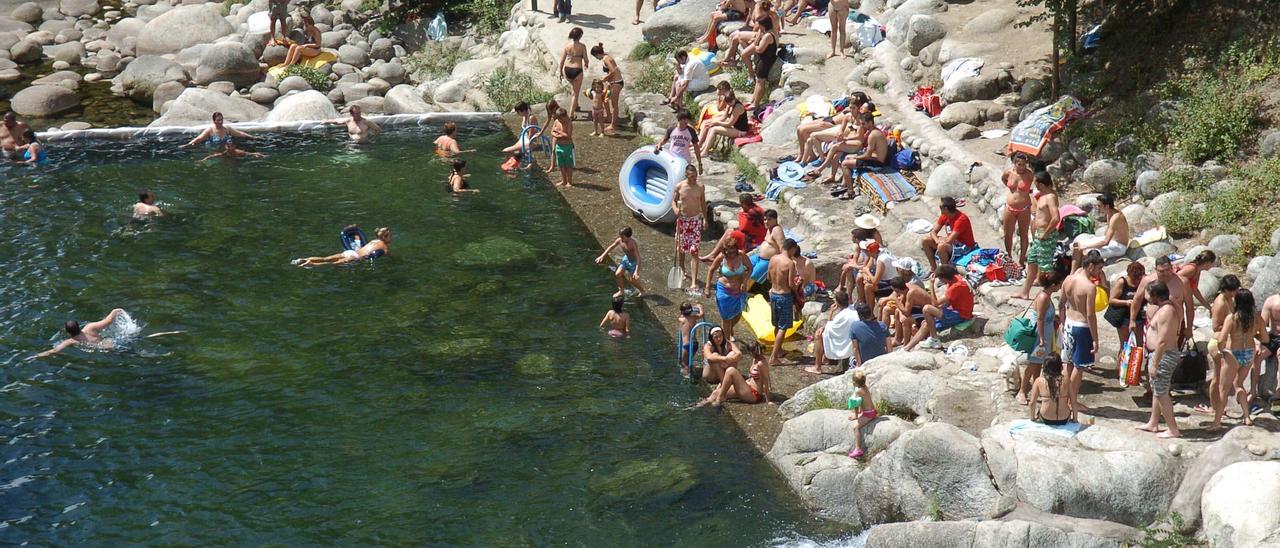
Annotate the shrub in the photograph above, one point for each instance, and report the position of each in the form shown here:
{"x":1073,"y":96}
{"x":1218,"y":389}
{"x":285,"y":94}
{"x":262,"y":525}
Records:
{"x":655,"y":77}
{"x":1165,"y":533}
{"x":318,"y":80}
{"x":1214,"y":119}
{"x":738,"y":81}
{"x":508,"y":86}
{"x":435,"y":61}
{"x":747,"y":169}
{"x":1182,"y":180}
{"x":645,"y":50}
{"x":485,"y":16}
{"x":1181,"y":218}
{"x":823,"y":399}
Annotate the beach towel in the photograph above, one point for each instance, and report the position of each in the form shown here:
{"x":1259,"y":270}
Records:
{"x":1068,"y":430}
{"x":1034,"y":133}
{"x":776,"y":185}
{"x":323,"y":58}
{"x":889,"y":186}
{"x":959,"y":69}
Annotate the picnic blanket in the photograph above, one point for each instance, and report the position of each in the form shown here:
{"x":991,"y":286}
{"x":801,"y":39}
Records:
{"x":1034,"y":133}
{"x":1068,"y":430}
{"x":887,"y":186}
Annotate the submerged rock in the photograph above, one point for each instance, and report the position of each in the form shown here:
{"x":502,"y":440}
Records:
{"x":461,"y":348}
{"x":495,"y":252}
{"x":644,"y":482}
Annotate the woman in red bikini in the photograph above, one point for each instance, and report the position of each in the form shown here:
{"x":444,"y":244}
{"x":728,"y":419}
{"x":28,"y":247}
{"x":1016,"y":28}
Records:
{"x":1017,"y":209}
{"x":751,"y":389}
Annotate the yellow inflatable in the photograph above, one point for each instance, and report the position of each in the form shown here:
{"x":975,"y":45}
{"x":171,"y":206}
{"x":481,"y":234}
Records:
{"x":320,"y":60}
{"x":1100,"y":299}
{"x":759,"y":318}
{"x":709,"y":111}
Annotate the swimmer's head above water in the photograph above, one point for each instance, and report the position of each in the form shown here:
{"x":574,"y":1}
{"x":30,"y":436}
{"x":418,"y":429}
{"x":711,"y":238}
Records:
{"x":146,"y":197}
{"x":72,"y":327}
{"x":354,"y":111}
{"x":384,"y":234}
{"x":217,"y":119}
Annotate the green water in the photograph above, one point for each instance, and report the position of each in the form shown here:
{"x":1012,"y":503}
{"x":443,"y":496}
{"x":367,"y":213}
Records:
{"x":456,"y":392}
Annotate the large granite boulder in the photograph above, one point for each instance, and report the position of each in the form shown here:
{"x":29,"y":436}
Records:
{"x":182,"y":27}
{"x":141,"y":77}
{"x":196,"y":106}
{"x":30,"y":13}
{"x":77,"y":8}
{"x":1268,"y":282}
{"x":122,"y":30}
{"x":948,"y":179}
{"x":1103,"y":175}
{"x":25,"y":52}
{"x":166,"y":92}
{"x":303,"y":106}
{"x":898,"y":25}
{"x":839,"y":388}
{"x":228,"y":61}
{"x":780,"y":128}
{"x":985,"y":533}
{"x":923,"y":30}
{"x":985,"y":85}
{"x":406,"y":99}
{"x":44,"y":100}
{"x":682,"y":22}
{"x":1241,"y":504}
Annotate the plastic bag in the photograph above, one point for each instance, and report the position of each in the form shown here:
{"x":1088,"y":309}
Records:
{"x":437,"y":29}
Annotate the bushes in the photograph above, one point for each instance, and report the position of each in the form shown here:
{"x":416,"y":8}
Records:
{"x":435,"y":61}
{"x":318,"y":81}
{"x":1182,"y":218}
{"x":655,"y":77}
{"x":645,"y":50}
{"x":508,"y":86}
{"x":1215,"y":118}
{"x":485,"y":16}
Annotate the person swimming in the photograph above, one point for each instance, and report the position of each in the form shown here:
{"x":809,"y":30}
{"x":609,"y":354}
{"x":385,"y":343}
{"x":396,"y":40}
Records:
{"x":358,"y":128}
{"x":618,"y":322}
{"x":88,"y":335}
{"x":372,"y":250}
{"x":145,"y":207}
{"x":459,"y":180}
{"x":513,"y":163}
{"x":217,"y":134}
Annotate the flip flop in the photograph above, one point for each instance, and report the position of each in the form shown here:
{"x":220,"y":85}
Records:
{"x":785,"y":159}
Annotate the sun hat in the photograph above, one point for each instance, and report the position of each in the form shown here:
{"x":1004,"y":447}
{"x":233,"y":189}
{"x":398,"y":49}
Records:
{"x":867,"y":221}
{"x":790,"y":172}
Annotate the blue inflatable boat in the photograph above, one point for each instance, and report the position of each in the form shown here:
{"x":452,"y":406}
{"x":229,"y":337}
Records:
{"x":648,"y":181}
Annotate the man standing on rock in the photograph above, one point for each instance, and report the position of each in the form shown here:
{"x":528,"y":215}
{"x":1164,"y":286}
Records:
{"x":1179,"y":296}
{"x":957,"y":238}
{"x":279,"y":13}
{"x":691,"y":206}
{"x":1044,"y":231}
{"x":1080,"y":330}
{"x":11,"y":132}
{"x":1162,"y":347}
{"x":782,"y":282}
{"x":359,"y":128}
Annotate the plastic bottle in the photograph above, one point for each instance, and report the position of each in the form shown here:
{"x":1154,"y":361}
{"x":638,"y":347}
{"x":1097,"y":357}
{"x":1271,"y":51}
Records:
{"x":437,"y":29}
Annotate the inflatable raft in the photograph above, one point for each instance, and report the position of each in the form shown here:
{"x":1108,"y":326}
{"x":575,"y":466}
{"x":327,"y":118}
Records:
{"x":647,"y":182}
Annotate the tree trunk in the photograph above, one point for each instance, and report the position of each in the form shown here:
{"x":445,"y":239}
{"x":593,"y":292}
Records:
{"x":1056,"y":83}
{"x":1072,"y":24}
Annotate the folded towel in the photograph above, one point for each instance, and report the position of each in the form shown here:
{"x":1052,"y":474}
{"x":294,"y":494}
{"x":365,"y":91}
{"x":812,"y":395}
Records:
{"x":1068,"y":430}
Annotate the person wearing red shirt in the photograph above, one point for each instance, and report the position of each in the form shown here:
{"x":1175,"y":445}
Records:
{"x":955,"y":241}
{"x":750,"y":233}
{"x":955,"y":307}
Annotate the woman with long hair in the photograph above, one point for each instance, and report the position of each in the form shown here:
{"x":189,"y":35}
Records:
{"x":732,"y":123}
{"x":1016,"y":217}
{"x":752,"y":388}
{"x":733,"y":269}
{"x":720,"y":353}
{"x":1049,"y":404}
{"x":1243,"y":326}
{"x":306,"y":50}
{"x":613,"y":86}
{"x":573,"y":65}
{"x":218,"y":134}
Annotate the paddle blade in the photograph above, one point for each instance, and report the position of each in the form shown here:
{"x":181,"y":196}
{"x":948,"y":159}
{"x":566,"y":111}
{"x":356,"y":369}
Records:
{"x":675,"y":277}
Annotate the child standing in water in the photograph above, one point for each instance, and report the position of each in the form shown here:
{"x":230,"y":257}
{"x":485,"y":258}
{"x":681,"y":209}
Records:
{"x":598,"y":103}
{"x":629,"y":269}
{"x":458,"y":178}
{"x":690,"y":315}
{"x":863,"y":414}
{"x":619,"y":322}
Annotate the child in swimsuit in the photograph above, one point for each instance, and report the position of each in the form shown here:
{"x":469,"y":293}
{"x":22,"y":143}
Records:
{"x":690,"y":315}
{"x":513,"y":163}
{"x":619,"y":322}
{"x":599,"y":101}
{"x":629,"y":268}
{"x":863,"y":414}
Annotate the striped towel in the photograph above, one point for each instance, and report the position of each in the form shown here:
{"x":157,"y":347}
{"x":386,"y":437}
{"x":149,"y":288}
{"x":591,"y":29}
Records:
{"x":891,"y":186}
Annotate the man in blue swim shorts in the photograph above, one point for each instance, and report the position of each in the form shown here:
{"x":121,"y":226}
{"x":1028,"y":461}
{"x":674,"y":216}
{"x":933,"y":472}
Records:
{"x":629,"y":267}
{"x":782,"y":281}
{"x":1080,"y":330}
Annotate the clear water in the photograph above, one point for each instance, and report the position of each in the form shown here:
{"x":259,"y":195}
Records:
{"x":455,"y":393}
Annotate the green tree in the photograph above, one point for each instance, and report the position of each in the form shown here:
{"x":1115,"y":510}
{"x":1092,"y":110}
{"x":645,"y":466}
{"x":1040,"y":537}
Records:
{"x":1063,"y":15}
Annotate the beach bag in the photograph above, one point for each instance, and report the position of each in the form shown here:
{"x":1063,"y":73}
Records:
{"x":1192,"y":369}
{"x":1133,"y":357}
{"x":906,"y":160}
{"x":787,"y":53}
{"x":1021,"y":335}
{"x":1076,"y":225}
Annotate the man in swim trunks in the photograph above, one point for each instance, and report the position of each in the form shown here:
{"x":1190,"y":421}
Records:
{"x":952,"y":235}
{"x":1179,"y":297}
{"x":360,"y":129}
{"x":954,"y":308}
{"x":1267,"y":387}
{"x":1164,"y":354}
{"x":89,"y":334}
{"x":145,"y":206}
{"x":782,"y":282}
{"x":691,"y":206}
{"x":1115,"y":242}
{"x":629,"y":268}
{"x":279,"y":10}
{"x":1044,"y":232}
{"x":11,"y":132}
{"x":1080,"y":330}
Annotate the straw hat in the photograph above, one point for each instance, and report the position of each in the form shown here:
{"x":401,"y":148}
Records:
{"x":868,"y":222}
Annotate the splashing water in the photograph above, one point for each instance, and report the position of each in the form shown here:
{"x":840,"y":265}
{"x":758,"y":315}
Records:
{"x":124,"y":330}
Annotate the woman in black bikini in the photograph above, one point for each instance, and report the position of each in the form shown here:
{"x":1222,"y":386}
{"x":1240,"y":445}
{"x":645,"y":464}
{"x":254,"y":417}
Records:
{"x":732,"y":123}
{"x":1048,"y":404}
{"x":613,"y":83}
{"x":766,"y":47}
{"x":1122,"y":292}
{"x":573,"y":62}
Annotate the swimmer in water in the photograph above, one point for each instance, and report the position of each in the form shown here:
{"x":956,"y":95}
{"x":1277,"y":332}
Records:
{"x":217,"y":134}
{"x":619,"y":322}
{"x":513,"y":163}
{"x":459,"y":180}
{"x":232,"y":152}
{"x":447,"y":144}
{"x":145,"y":207}
{"x":11,"y":132}
{"x":33,"y":153}
{"x":360,"y":129}
{"x":89,"y":334}
{"x":372,"y":250}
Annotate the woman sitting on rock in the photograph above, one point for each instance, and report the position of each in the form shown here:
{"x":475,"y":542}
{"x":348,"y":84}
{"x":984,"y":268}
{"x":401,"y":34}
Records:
{"x":732,"y":123}
{"x":753,"y":388}
{"x":311,"y":48}
{"x":218,"y":134}
{"x":746,"y":36}
{"x":1048,"y":403}
{"x":813,"y":134}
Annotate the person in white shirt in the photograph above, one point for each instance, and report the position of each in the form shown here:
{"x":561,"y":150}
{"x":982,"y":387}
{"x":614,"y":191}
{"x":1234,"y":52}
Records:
{"x":691,"y":77}
{"x":834,"y":340}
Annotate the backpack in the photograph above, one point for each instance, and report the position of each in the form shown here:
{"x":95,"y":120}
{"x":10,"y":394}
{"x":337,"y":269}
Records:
{"x":1021,"y":335}
{"x":1076,"y":225}
{"x":905,"y":159}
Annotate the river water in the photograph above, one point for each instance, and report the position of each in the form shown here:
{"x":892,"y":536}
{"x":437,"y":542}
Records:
{"x":456,"y":392}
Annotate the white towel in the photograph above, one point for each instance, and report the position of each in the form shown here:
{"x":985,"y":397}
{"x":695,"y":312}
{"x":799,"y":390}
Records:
{"x":837,"y":336}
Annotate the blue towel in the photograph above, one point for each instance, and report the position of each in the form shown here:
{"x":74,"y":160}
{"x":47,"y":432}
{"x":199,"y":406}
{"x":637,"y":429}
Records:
{"x":1068,"y":430}
{"x":667,"y":4}
{"x":787,"y":233}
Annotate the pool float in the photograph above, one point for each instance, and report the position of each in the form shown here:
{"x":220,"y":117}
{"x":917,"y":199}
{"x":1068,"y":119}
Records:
{"x":527,"y":151}
{"x":709,"y":111}
{"x":759,"y":318}
{"x":352,"y":238}
{"x":647,"y":182}
{"x":319,"y":60}
{"x":692,"y":367}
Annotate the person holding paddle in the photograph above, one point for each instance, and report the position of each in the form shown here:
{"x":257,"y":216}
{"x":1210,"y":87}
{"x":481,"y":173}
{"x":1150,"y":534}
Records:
{"x":691,"y":207}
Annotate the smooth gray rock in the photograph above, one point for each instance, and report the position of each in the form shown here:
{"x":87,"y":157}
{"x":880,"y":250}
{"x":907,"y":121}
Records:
{"x":355,"y":92}
{"x":77,"y":8}
{"x":108,"y":61}
{"x":990,"y":22}
{"x":42,"y":101}
{"x":196,"y":105}
{"x":30,"y":13}
{"x":25,"y":52}
{"x":182,"y":27}
{"x":123,"y":29}
{"x":369,"y":105}
{"x":1103,"y":175}
{"x":981,"y":87}
{"x":683,"y":22}
{"x":223,"y":87}
{"x":165,"y":92}
{"x":1269,"y":144}
{"x":1232,"y":448}
{"x":1241,"y":504}
{"x":780,"y":128}
{"x":293,"y":83}
{"x":15,"y":26}
{"x":65,"y":78}
{"x":475,"y":71}
{"x":321,"y":15}
{"x":1005,"y":532}
{"x":334,"y":38}
{"x":452,"y":91}
{"x":1257,"y":266}
{"x":955,"y":114}
{"x":274,"y":55}
{"x":378,"y":86}
{"x":353,"y":55}
{"x":142,"y":75}
{"x":382,"y":48}
{"x":1225,"y":245}
{"x":923,"y":30}
{"x":393,"y":73}
{"x":70,"y":52}
{"x":1135,"y":213}
{"x":1275,"y":240}
{"x":303,"y":106}
{"x":1158,"y":205}
{"x":1159,"y":249}
{"x":228,"y":62}
{"x":1148,"y":184}
{"x":263,"y":94}
{"x":1268,"y":282}
{"x":899,"y":23}
{"x":963,"y":132}
{"x":406,"y":99}
{"x":948,"y":179}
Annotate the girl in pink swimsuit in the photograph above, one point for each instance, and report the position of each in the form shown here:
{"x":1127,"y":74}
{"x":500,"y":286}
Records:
{"x":863,"y":414}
